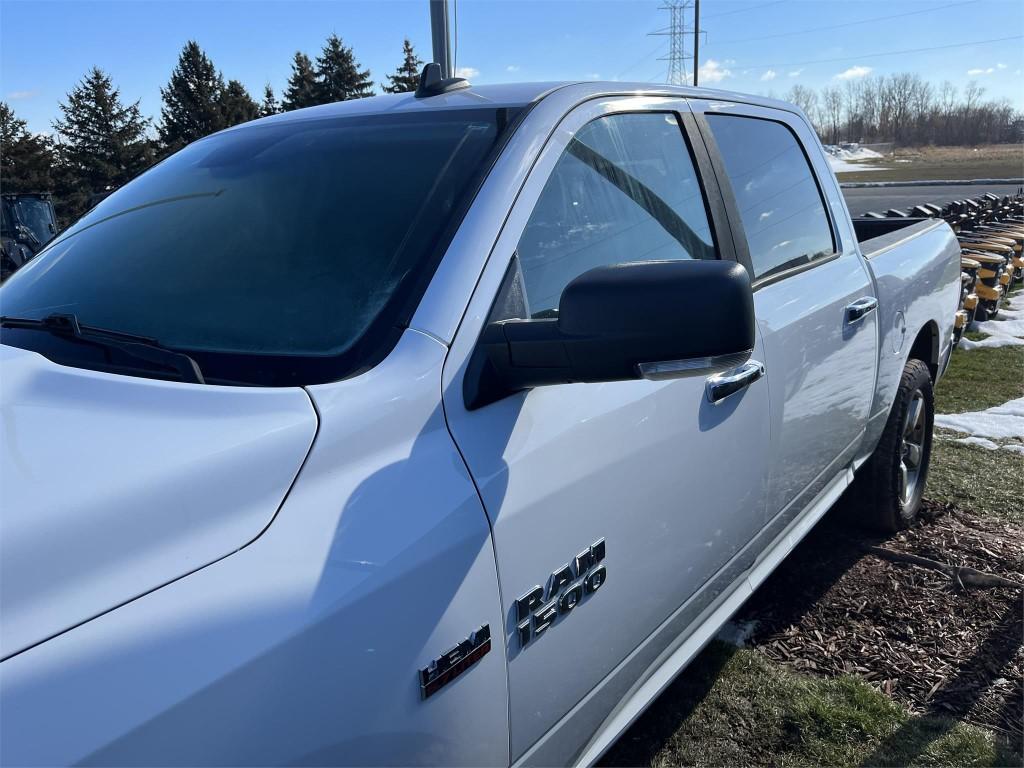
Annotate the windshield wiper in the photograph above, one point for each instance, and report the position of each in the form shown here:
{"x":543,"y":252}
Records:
{"x":140,"y":347}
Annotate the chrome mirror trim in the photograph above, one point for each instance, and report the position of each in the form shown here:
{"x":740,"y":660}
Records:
{"x":694,"y":366}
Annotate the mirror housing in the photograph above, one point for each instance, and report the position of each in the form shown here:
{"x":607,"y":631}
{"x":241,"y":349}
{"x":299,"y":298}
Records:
{"x":653,"y":319}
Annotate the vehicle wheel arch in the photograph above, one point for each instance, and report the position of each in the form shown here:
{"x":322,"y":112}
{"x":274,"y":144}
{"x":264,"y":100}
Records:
{"x":926,"y":347}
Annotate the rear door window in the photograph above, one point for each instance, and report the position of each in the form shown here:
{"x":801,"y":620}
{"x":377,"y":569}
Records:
{"x":778,"y":198}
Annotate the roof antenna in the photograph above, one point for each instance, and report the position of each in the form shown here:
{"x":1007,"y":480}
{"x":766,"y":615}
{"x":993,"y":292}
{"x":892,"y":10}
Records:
{"x":437,"y":77}
{"x":432,"y":84}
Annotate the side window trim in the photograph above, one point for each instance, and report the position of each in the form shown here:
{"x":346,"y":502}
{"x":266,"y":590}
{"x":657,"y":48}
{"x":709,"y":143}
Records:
{"x":732,"y":208}
{"x":718,"y":198}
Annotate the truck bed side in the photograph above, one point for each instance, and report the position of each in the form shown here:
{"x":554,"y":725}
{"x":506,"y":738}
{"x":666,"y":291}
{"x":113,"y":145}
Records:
{"x":916,"y":271}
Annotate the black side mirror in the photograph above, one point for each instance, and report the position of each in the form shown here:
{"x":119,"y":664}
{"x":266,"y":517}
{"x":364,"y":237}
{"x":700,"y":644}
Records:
{"x":655,"y":320}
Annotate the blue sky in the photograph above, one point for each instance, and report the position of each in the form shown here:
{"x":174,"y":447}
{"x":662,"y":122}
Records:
{"x":755,"y":46}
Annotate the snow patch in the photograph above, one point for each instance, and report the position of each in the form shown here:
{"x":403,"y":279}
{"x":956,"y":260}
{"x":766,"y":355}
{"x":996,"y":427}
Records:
{"x":1006,"y":330}
{"x":1001,"y":422}
{"x":852,"y":152}
{"x":981,"y":442}
{"x":737,"y":632}
{"x":849,"y":157}
{"x":991,"y":342}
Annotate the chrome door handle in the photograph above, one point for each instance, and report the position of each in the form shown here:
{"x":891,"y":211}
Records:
{"x":720,"y":386}
{"x":859,"y":308}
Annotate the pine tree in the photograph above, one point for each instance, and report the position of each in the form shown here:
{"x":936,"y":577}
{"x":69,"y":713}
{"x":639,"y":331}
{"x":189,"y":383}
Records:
{"x":192,"y":99}
{"x":102,"y":143}
{"x":407,"y":76}
{"x":338,"y":75}
{"x":26,"y":161}
{"x":269,"y":106}
{"x":302,"y":90}
{"x":237,"y":105}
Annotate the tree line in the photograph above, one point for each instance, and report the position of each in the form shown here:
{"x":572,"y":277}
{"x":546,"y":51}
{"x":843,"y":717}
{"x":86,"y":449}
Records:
{"x":100,"y":142}
{"x":905,"y":109}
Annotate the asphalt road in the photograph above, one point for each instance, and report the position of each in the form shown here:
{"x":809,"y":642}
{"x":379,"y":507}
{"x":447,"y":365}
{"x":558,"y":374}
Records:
{"x":880,"y":199}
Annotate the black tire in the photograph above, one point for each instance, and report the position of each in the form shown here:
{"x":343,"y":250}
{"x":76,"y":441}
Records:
{"x":885,"y":506}
{"x":980,"y":313}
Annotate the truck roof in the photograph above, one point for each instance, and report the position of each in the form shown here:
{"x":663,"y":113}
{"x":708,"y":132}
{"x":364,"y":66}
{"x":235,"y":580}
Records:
{"x":509,"y":95}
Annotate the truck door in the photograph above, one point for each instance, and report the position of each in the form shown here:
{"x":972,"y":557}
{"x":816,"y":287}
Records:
{"x":813,"y":296}
{"x":614,"y":506}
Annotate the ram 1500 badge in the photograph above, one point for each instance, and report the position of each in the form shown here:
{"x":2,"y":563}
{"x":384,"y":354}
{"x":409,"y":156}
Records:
{"x":567,"y":586}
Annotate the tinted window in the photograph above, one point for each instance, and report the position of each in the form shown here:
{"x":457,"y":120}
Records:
{"x":280,"y":239}
{"x":778,"y":199}
{"x":624,"y":190}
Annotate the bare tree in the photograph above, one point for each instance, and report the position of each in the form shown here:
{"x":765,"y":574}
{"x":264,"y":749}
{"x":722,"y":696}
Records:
{"x":832,"y":99}
{"x":905,"y":108}
{"x":805,"y":98}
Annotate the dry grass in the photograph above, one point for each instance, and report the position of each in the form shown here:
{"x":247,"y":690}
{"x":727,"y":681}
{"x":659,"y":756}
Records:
{"x":999,"y":161}
{"x":981,"y":378}
{"x":987,"y":482}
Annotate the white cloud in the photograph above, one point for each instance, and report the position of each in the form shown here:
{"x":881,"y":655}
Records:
{"x":512,"y":68}
{"x":593,"y":76}
{"x":1000,"y":66}
{"x":980,"y":71}
{"x":467,"y":72}
{"x":729,"y":62}
{"x":854,"y":72}
{"x":713,"y":72}
{"x":796,"y":73}
{"x":16,"y":95}
{"x":769,"y":75}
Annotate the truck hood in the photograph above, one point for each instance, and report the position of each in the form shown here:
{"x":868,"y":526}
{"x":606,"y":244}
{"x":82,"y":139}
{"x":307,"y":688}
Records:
{"x":111,"y":486}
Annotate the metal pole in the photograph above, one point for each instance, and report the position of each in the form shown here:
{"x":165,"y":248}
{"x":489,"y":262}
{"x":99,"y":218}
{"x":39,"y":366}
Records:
{"x":440,"y":36}
{"x":696,"y":40}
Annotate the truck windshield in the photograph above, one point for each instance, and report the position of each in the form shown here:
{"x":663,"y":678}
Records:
{"x":278,"y":253}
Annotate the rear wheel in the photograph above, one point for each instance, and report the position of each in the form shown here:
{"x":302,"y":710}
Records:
{"x":892,"y":481}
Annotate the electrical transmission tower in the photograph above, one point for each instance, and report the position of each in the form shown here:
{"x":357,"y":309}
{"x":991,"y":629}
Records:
{"x":676,"y":32}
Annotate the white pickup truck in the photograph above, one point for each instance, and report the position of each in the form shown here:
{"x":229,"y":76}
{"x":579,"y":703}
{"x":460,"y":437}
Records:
{"x":440,"y":428}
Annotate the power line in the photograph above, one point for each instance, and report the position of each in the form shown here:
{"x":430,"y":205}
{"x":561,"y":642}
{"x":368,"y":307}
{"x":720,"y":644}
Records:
{"x":757,"y":7}
{"x":845,"y":24}
{"x":885,"y":53}
{"x":657,"y":49}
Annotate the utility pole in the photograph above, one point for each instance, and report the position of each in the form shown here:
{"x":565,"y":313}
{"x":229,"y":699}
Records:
{"x":440,"y":36}
{"x":676,"y":33}
{"x":696,"y":40}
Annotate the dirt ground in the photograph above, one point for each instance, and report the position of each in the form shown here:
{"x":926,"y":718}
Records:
{"x":994,"y":161}
{"x":925,"y":640}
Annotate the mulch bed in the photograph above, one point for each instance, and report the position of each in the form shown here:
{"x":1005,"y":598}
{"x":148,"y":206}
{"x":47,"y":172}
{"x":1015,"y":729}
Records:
{"x":931,"y":644}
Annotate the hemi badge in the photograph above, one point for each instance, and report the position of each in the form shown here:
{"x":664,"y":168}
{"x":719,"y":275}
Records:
{"x":455,"y":661}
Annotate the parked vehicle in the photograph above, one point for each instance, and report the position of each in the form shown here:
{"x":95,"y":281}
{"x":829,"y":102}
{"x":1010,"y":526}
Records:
{"x":441,"y":430}
{"x":27,"y":224}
